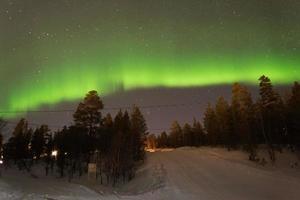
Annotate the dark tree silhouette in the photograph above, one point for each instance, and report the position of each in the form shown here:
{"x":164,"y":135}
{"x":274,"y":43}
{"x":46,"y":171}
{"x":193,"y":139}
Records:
{"x":271,"y":107}
{"x":2,"y":125}
{"x":162,"y":140}
{"x":20,"y":143}
{"x":187,"y":135}
{"x":198,"y":138}
{"x":210,"y":125}
{"x":88,"y":118}
{"x":38,"y":141}
{"x":88,"y":113}
{"x":224,"y":123}
{"x":243,"y":114}
{"x":60,"y":146}
{"x":293,"y":116}
{"x":176,"y":136}
{"x":139,"y":133}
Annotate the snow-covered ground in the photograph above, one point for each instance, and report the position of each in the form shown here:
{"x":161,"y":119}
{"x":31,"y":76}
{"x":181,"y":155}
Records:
{"x":185,"y":173}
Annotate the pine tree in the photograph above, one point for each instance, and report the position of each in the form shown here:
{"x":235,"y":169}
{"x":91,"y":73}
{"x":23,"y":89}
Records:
{"x":139,"y":132}
{"x":198,"y":134}
{"x":293,"y":116}
{"x":20,"y":143}
{"x":2,"y":125}
{"x":236,"y":115}
{"x":164,"y":140}
{"x":243,"y":114}
{"x":223,"y":117}
{"x":60,"y":145}
{"x":160,"y":140}
{"x":187,"y":135}
{"x":107,"y":134}
{"x":271,"y":107}
{"x":176,"y":137}
{"x":38,"y":141}
{"x":49,"y":148}
{"x":1,"y":143}
{"x":122,"y":155}
{"x":88,"y":118}
{"x":88,"y":113}
{"x":1,"y":146}
{"x":210,"y":125}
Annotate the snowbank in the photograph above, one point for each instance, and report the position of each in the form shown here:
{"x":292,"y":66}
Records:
{"x":184,"y":173}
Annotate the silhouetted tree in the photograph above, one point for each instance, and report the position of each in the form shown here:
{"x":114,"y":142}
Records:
{"x":139,"y":133}
{"x":61,"y":147}
{"x":49,"y":148}
{"x":104,"y":144}
{"x":243,"y":112}
{"x":88,"y":113}
{"x":122,"y":154}
{"x":224,"y":123}
{"x":210,"y":125}
{"x":198,"y":138}
{"x":293,"y":116}
{"x":271,"y":107}
{"x":163,"y":140}
{"x":187,"y":135}
{"x":20,"y":143}
{"x":176,"y":136}
{"x":116,"y":145}
{"x":1,"y":144}
{"x":88,"y":116}
{"x":38,"y":141}
{"x":2,"y":125}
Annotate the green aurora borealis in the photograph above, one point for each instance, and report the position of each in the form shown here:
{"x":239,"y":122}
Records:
{"x":57,"y":51}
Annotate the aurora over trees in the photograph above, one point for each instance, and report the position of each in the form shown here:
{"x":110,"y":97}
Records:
{"x":112,"y":45}
{"x":149,"y":99}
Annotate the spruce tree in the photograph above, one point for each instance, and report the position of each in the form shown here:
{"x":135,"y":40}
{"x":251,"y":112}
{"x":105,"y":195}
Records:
{"x":139,"y":133}
{"x":210,"y":125}
{"x":162,"y":140}
{"x":198,"y":134}
{"x":223,"y":117}
{"x":20,"y":143}
{"x":38,"y":140}
{"x":187,"y":135}
{"x":2,"y":125}
{"x":88,"y":118}
{"x":271,"y":107}
{"x":176,"y":137}
{"x":243,"y":114}
{"x":293,"y":116}
{"x":88,"y":113}
{"x":60,"y":145}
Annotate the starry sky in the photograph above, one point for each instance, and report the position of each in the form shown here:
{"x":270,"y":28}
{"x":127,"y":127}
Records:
{"x":142,"y":52}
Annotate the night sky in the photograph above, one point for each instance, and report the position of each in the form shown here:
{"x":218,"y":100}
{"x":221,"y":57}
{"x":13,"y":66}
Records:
{"x":142,"y":52}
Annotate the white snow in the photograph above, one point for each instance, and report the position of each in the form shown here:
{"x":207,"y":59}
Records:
{"x":185,"y":173}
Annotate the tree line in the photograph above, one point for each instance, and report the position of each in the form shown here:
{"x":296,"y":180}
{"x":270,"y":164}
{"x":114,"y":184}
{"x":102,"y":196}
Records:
{"x":242,"y":123}
{"x":116,"y":144}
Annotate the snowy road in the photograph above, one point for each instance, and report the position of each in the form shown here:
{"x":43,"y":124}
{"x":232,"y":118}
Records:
{"x":191,"y":174}
{"x":203,"y":174}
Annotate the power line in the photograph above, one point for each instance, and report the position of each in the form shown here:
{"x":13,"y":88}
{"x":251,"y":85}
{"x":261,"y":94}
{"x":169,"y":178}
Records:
{"x":107,"y":108}
{"x":61,"y":126}
{"x":37,"y":124}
